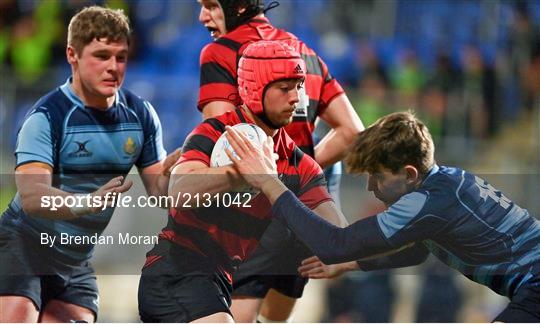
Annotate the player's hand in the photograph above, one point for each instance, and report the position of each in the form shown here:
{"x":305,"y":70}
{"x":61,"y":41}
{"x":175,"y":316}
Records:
{"x":314,"y":268}
{"x":257,"y":165}
{"x":170,"y":161}
{"x":106,"y":192}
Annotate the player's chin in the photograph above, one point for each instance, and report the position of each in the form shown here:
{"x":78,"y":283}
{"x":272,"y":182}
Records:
{"x":283,"y":122}
{"x":108,"y":91}
{"x":286,"y":120}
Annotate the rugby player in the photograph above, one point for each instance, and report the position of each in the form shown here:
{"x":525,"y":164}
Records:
{"x":82,"y":138}
{"x":453,"y":214}
{"x":188,"y":275}
{"x":234,"y":24}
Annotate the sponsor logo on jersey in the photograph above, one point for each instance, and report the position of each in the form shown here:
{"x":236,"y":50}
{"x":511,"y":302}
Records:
{"x":81,"y":150}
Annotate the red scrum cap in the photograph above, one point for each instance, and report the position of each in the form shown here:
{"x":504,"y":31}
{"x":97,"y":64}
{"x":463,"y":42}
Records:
{"x":262,"y":63}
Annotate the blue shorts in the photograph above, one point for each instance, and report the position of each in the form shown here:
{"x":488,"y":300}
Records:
{"x":29,"y":269}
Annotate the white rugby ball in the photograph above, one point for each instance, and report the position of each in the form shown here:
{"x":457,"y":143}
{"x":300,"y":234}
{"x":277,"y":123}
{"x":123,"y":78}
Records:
{"x":254,"y":133}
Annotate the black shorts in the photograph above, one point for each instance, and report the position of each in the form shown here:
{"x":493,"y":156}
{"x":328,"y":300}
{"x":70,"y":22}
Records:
{"x":273,"y":265}
{"x":29,"y":269}
{"x":523,"y":308}
{"x":175,"y":289}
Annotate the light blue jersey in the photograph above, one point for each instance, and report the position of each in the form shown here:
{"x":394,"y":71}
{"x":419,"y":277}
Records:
{"x":471,"y":227}
{"x":86,"y":148}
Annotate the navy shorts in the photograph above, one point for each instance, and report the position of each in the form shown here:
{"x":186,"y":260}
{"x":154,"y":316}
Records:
{"x":181,"y":287}
{"x":275,"y":261}
{"x":523,"y":308}
{"x":29,"y":269}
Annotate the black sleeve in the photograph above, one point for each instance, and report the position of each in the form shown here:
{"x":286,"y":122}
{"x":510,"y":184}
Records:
{"x":330,"y":243}
{"x":410,"y":256}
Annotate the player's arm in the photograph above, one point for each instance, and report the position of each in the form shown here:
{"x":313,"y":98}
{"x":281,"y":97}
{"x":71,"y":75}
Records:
{"x":216,"y":108}
{"x":156,"y":176}
{"x":195,"y":177}
{"x":330,"y":243}
{"x":408,"y":256}
{"x":34,"y":184}
{"x":34,"y":174}
{"x":314,"y":268}
{"x":345,"y":124}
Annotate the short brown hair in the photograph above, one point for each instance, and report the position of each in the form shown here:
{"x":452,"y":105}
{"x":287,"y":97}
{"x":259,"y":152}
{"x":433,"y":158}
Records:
{"x":392,"y":142}
{"x":97,"y":22}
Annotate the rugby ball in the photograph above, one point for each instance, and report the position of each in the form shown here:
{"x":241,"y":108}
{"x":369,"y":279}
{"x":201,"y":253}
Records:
{"x":254,"y":133}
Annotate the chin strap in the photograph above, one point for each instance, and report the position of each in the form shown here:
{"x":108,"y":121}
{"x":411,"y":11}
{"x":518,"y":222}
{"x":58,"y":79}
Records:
{"x":262,"y":116}
{"x":271,"y":6}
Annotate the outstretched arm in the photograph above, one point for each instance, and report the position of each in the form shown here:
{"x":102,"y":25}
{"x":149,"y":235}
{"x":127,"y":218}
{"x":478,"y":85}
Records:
{"x":331,"y":243}
{"x":314,"y":268}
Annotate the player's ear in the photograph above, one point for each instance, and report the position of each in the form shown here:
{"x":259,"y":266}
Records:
{"x":412,"y":174}
{"x":71,"y":55}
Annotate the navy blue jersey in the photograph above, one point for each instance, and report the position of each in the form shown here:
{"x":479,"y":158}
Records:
{"x":457,"y":216}
{"x":470,"y":226}
{"x":85,"y":147}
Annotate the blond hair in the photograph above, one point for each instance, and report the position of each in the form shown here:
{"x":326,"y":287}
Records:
{"x":392,"y":142}
{"x":95,"y":23}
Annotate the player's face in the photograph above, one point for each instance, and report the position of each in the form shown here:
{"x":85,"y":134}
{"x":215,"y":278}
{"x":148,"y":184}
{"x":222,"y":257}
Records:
{"x":280,"y":100}
{"x":388,"y":187}
{"x":100,"y":68}
{"x":212,"y":17}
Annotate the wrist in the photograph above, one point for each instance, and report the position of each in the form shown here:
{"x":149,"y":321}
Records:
{"x":271,"y":184}
{"x":83,"y":206}
{"x":234,"y":178}
{"x":273,"y":188}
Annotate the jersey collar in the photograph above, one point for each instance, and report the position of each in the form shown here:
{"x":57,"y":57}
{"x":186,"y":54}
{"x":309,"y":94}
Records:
{"x":67,"y":89}
{"x":283,"y":144}
{"x":434,"y":169}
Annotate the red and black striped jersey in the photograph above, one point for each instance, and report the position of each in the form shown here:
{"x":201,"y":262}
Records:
{"x":218,"y":79}
{"x":227,"y":235}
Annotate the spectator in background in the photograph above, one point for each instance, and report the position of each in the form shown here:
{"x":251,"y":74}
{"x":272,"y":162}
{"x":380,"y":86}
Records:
{"x":441,"y":88}
{"x":532,"y":80}
{"x":524,"y":38}
{"x":371,"y":99}
{"x":408,"y":79}
{"x":479,"y":94}
{"x":32,"y":40}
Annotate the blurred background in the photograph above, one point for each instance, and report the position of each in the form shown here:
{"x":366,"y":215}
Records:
{"x":469,"y":69}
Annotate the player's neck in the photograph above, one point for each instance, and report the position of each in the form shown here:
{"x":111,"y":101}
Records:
{"x":88,"y":98}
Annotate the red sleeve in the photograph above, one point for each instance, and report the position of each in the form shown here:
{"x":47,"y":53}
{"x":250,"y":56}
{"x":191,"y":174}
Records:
{"x":218,"y":75}
{"x":313,"y":190}
{"x":199,"y":144}
{"x":331,"y":88}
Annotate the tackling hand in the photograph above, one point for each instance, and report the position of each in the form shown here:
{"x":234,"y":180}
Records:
{"x":257,"y":165}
